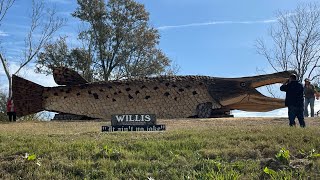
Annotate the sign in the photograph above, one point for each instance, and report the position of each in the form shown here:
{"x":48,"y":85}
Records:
{"x":134,"y":128}
{"x":133,"y":122}
{"x":133,"y":119}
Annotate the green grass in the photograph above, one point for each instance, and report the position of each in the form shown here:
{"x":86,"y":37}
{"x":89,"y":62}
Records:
{"x":189,"y":149}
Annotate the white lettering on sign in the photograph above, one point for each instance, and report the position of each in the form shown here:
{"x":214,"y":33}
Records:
{"x":161,"y":127}
{"x":148,"y":118}
{"x":120,"y":118}
{"x":133,"y":118}
{"x":137,"y":119}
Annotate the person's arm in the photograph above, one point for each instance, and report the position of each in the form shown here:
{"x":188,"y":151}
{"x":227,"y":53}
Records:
{"x":284,"y":86}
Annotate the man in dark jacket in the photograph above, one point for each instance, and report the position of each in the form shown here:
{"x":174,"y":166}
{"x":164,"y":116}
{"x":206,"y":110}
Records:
{"x":294,"y":100}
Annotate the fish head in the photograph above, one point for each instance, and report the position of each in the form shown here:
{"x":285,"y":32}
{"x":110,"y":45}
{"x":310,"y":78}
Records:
{"x":241,"y":93}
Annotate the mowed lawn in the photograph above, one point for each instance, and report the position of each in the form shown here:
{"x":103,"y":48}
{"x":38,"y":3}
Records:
{"x":226,"y":148}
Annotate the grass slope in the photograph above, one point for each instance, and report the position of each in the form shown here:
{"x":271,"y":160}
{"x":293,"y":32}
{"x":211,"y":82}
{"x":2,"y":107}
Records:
{"x":232,"y":148}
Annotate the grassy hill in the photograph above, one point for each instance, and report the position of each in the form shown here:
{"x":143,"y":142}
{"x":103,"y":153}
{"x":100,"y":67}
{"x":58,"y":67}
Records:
{"x":235,"y":148}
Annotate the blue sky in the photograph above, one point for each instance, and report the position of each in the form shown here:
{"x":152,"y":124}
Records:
{"x":203,"y":37}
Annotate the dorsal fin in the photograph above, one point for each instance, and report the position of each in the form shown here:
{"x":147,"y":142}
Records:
{"x":66,"y":76}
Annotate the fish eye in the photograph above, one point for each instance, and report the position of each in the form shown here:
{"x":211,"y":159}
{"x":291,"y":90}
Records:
{"x":243,"y":84}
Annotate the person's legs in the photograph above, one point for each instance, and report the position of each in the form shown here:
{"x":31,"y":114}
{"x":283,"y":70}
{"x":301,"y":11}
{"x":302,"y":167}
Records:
{"x":299,"y":113}
{"x":14,"y":116}
{"x":306,"y":103}
{"x":311,"y":100}
{"x":10,"y":116}
{"x":292,"y":115}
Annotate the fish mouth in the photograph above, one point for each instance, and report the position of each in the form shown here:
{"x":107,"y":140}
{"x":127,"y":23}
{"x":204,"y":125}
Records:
{"x":268,"y":79}
{"x":253,"y":100}
{"x":258,"y":103}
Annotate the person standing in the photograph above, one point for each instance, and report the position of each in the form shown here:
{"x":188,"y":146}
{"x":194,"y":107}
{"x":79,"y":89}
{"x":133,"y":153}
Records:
{"x":309,"y":98}
{"x":294,"y":100}
{"x":11,"y":110}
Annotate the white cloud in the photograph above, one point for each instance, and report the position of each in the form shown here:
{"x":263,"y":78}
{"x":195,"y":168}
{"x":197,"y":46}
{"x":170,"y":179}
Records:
{"x":29,"y":74}
{"x":2,"y":73}
{"x":217,"y":23}
{"x":266,"y":21}
{"x":3,"y":34}
{"x":41,"y":79}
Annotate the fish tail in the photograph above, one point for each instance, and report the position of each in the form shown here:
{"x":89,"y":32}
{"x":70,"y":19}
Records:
{"x":27,"y":96}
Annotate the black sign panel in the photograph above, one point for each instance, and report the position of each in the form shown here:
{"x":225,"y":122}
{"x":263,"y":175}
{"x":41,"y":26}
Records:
{"x":161,"y":127}
{"x":133,"y":119}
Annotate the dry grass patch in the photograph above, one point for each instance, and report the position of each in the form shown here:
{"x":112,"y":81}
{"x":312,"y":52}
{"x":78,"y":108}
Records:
{"x":226,"y":148}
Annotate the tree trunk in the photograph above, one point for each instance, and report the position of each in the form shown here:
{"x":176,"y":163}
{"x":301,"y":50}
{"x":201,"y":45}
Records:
{"x":10,"y":86}
{"x":6,"y":70}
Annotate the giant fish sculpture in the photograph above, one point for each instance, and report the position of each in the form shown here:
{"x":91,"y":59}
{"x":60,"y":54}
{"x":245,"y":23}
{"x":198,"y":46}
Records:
{"x":164,"y":96}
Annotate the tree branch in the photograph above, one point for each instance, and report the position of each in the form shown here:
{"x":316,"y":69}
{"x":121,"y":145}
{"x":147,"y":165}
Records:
{"x":47,"y":30}
{"x":4,"y":7}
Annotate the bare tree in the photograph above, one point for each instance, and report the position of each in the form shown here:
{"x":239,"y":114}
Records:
{"x":296,"y":42}
{"x":44,"y":23}
{"x":4,"y":7}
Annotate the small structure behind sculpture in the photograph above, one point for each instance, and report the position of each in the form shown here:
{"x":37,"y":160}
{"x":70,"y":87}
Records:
{"x":66,"y":116}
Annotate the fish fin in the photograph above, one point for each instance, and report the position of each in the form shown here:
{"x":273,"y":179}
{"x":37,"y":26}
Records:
{"x":66,"y":76}
{"x":27,"y":96}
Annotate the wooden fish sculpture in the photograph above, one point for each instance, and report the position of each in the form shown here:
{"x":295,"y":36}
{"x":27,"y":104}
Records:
{"x":164,"y":96}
